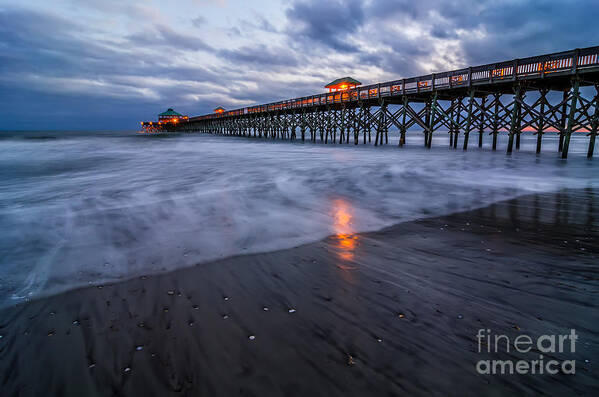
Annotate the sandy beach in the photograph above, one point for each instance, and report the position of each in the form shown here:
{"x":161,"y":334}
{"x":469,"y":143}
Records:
{"x":393,"y":312}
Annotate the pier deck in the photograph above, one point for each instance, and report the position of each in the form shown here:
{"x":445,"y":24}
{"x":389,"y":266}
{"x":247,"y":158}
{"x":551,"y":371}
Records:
{"x":548,"y":93}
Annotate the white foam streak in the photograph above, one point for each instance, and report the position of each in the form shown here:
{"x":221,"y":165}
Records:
{"x":88,"y":209}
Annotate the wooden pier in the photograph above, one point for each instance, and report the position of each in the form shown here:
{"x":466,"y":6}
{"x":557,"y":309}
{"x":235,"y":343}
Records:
{"x":541,"y":94}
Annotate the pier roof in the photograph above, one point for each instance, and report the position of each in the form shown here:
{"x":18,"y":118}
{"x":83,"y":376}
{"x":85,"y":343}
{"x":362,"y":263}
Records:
{"x":342,"y":83}
{"x":170,"y":112}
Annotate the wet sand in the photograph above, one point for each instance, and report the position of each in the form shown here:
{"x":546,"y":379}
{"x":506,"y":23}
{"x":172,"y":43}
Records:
{"x":394,"y":312}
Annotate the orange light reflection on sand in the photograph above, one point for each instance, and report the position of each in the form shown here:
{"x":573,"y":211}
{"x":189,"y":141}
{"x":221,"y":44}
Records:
{"x":346,"y":240}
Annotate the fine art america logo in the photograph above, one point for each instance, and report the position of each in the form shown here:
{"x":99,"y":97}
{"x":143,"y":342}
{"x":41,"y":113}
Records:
{"x":544,"y":344}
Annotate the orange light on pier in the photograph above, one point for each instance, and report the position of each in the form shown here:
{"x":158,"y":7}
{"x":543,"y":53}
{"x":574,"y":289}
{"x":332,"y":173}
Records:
{"x":342,"y":84}
{"x":219,"y":110}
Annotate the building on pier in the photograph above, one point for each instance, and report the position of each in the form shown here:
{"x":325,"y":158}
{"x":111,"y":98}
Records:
{"x":342,"y":84}
{"x":165,"y":120}
{"x":170,"y":116}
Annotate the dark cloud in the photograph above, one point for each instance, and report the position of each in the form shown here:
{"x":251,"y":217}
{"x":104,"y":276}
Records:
{"x":199,"y":21}
{"x":260,"y":55}
{"x":164,"y":36}
{"x":326,"y":22}
{"x":495,"y":29}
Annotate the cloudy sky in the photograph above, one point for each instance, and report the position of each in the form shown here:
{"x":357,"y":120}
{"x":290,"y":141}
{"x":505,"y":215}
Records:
{"x":106,"y":64}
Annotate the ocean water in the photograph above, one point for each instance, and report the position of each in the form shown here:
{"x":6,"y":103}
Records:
{"x":80,"y":208}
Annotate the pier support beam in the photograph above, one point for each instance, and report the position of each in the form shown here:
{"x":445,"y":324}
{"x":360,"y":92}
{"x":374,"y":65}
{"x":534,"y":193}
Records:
{"x":380,"y":123}
{"x":469,"y":120}
{"x":571,"y":120}
{"x":515,"y":122}
{"x":541,"y":122}
{"x":456,"y":132}
{"x":402,"y":132}
{"x":594,"y":123}
{"x":496,"y":120}
{"x":357,"y":125}
{"x":427,"y":121}
{"x":431,"y":123}
{"x":563,"y":120}
{"x":481,"y":126}
{"x":451,"y":126}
